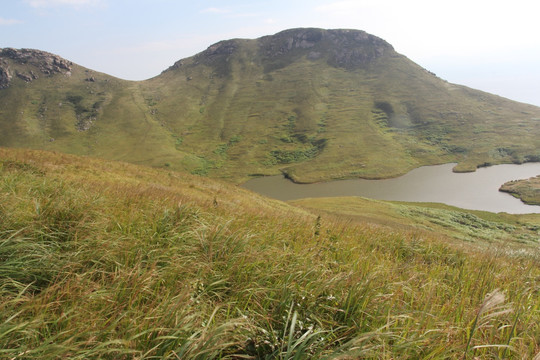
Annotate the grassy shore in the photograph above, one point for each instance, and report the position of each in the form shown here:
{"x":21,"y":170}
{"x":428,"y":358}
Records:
{"x":528,"y":190}
{"x":106,"y":260}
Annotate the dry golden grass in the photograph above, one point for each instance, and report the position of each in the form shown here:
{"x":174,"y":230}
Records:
{"x":114,"y":261}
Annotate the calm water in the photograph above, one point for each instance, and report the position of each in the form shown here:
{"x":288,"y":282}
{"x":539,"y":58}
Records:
{"x":478,"y":190}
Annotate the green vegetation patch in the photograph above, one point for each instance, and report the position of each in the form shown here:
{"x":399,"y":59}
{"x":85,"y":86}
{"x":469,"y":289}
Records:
{"x":222,"y":149}
{"x":292,"y":156}
{"x":298,"y":155}
{"x":299,"y":146}
{"x":467,"y":226}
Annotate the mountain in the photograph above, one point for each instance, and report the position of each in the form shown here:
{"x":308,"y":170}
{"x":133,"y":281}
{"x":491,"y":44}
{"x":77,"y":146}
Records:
{"x":314,"y":104}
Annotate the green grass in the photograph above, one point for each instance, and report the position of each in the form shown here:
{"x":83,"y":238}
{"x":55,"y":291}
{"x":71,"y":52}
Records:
{"x":479,"y":228}
{"x":108,"y":260}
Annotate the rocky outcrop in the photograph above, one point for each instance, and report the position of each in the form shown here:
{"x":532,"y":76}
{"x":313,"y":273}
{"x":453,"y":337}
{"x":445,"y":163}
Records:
{"x":289,"y":40}
{"x":226,"y":47}
{"x":354,"y":48}
{"x":5,"y":76}
{"x":46,"y":63}
{"x":24,"y":77}
{"x":341,"y":48}
{"x":217,"y":56}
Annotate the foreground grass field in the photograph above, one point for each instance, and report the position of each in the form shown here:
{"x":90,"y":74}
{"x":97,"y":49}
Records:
{"x":104,"y":260}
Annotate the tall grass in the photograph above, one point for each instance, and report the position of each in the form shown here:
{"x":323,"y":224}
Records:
{"x":111,"y":261}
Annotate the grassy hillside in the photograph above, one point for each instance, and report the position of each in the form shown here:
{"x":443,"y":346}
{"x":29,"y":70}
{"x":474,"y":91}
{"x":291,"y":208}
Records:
{"x":80,"y":111}
{"x":314,"y":104}
{"x":107,"y":260}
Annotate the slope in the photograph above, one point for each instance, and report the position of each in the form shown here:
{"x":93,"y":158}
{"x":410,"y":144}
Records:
{"x":109,"y":260}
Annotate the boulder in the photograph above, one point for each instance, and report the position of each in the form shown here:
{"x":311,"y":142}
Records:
{"x":24,"y":77}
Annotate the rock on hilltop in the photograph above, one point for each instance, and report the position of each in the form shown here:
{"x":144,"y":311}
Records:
{"x":341,"y":47}
{"x":44,"y":62}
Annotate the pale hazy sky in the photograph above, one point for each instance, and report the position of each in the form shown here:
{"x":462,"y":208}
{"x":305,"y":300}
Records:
{"x":489,"y":45}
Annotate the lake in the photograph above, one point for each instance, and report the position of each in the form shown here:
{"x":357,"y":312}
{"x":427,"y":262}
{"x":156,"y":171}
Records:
{"x":478,"y":190}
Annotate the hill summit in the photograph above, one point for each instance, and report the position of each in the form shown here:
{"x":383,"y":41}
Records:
{"x":313,"y":104}
{"x":340,"y":48}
